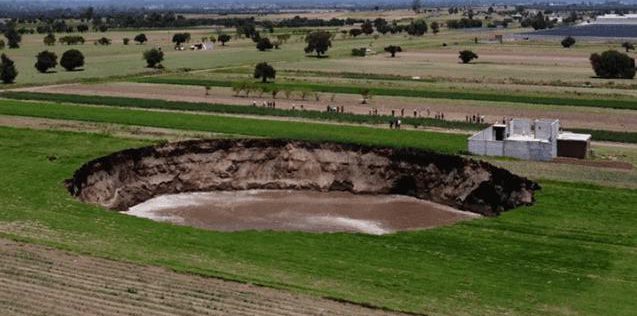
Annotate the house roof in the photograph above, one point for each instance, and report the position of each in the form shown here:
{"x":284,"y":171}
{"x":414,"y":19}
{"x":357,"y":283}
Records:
{"x":574,"y":137}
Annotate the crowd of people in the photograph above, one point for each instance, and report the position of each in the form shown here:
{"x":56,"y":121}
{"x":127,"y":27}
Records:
{"x":394,"y":122}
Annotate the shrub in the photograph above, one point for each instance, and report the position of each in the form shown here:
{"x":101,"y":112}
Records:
{"x":49,"y":40}
{"x":153,"y":57}
{"x":103,"y":41}
{"x":355,"y":32}
{"x":568,"y":42}
{"x":13,"y":38}
{"x":359,"y":52}
{"x":467,"y":56}
{"x":417,"y":28}
{"x":72,"y":59}
{"x":141,"y":38}
{"x":45,"y":61}
{"x":126,"y":40}
{"x":264,"y":44}
{"x":613,"y":64}
{"x":8,"y":73}
{"x":71,"y":40}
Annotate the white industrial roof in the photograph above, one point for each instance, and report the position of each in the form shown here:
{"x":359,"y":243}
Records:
{"x":574,"y":136}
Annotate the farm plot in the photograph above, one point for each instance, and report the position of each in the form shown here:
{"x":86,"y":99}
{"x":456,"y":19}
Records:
{"x":454,"y":110}
{"x":41,"y":280}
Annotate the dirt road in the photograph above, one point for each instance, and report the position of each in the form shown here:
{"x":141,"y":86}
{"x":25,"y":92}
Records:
{"x":41,"y":281}
{"x":570,"y":117}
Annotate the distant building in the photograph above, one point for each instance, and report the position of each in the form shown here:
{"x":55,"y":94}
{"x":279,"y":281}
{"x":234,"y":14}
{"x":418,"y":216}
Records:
{"x":529,"y":140}
{"x":616,"y":19}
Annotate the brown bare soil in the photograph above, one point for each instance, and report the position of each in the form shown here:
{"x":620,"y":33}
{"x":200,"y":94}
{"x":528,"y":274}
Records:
{"x":595,"y":163}
{"x":571,"y":117}
{"x":298,"y":211}
{"x":41,"y":281}
{"x":129,"y":131}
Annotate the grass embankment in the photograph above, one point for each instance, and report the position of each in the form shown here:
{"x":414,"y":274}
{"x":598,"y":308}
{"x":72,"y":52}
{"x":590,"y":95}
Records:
{"x":235,"y":109}
{"x":241,"y":126}
{"x":598,"y":135}
{"x":574,"y":252}
{"x":423,"y":92}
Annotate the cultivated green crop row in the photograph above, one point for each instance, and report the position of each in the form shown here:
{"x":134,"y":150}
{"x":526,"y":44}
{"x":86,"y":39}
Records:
{"x":630,"y":104}
{"x":241,"y":126}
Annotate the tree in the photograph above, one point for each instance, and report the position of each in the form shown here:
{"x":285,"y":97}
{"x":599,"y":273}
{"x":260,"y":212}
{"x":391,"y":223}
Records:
{"x":82,"y":28}
{"x":435,"y":27}
{"x":181,"y":38}
{"x":628,"y":46}
{"x":72,"y":59}
{"x":367,"y":27}
{"x":568,"y":42}
{"x":416,"y":5}
{"x":102,"y":28}
{"x":45,"y":61}
{"x":224,"y":38}
{"x":613,"y":64}
{"x":153,"y":57}
{"x":355,"y":32}
{"x":2,"y":44}
{"x":264,"y":44}
{"x":264,"y":72}
{"x":393,"y":50}
{"x":140,"y":38}
{"x":319,"y":42}
{"x":8,"y":73}
{"x":417,"y":28}
{"x":13,"y":38}
{"x":467,"y":56}
{"x":49,"y":40}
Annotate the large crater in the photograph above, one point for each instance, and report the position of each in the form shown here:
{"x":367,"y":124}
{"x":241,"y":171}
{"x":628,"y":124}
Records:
{"x":130,"y":177}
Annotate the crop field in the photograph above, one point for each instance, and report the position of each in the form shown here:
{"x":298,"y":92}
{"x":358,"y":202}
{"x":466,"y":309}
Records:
{"x":572,"y":252}
{"x":566,"y":259}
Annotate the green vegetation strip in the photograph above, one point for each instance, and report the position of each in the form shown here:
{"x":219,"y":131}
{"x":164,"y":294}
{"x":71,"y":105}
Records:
{"x":448,"y":143}
{"x":629,"y":104}
{"x":598,"y":135}
{"x":574,"y":249}
{"x":235,"y":109}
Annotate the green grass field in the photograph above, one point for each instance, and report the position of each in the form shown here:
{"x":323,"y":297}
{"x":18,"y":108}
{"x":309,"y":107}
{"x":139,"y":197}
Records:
{"x":562,"y":256}
{"x":448,"y":143}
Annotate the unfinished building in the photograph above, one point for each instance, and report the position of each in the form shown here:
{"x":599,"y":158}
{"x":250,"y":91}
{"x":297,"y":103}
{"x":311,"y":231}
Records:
{"x":529,"y":140}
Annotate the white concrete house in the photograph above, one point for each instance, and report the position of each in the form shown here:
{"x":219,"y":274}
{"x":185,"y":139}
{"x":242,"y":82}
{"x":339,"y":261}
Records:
{"x":523,"y":139}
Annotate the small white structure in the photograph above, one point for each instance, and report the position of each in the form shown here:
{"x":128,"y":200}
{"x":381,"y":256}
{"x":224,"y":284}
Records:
{"x":616,"y":19}
{"x":522,"y":139}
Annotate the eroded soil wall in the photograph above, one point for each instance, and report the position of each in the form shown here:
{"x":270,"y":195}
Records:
{"x":129,"y":177}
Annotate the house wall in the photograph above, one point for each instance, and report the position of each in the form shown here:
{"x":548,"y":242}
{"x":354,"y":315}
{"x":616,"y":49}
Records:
{"x":528,"y":150}
{"x":573,"y":149}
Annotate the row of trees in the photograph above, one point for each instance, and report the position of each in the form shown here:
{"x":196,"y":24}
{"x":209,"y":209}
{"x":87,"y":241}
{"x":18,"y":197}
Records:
{"x":71,"y":60}
{"x":45,"y":60}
